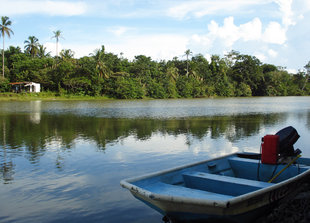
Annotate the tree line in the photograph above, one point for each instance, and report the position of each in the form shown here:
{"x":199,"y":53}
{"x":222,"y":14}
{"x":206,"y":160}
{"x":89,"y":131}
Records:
{"x":105,"y":73}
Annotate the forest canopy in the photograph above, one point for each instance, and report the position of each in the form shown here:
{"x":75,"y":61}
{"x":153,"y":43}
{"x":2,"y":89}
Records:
{"x":192,"y":76}
{"x":104,"y":73}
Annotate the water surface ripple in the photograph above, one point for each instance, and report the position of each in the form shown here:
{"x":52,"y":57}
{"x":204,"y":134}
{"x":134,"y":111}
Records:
{"x":62,"y":161}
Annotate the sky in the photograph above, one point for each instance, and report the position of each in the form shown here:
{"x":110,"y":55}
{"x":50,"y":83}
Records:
{"x":275,"y":31}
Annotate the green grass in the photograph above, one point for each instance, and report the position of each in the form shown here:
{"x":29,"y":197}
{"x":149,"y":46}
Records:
{"x":8,"y":96}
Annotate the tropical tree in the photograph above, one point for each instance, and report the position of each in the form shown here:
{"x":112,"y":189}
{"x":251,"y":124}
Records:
{"x":187,"y":54}
{"x":67,"y":53}
{"x":57,"y":35}
{"x":101,"y":67}
{"x":32,"y":45}
{"x":307,"y":67}
{"x":5,"y":30}
{"x":42,"y":52}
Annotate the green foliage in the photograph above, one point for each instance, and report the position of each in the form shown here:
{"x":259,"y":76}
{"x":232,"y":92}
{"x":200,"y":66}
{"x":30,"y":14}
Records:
{"x":247,"y":69}
{"x":123,"y":88}
{"x":104,"y":73}
{"x":77,"y":85}
{"x":4,"y":84}
{"x":155,"y":89}
{"x":243,"y":90}
{"x":189,"y":87}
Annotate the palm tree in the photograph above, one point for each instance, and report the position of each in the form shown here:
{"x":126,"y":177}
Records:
{"x":42,"y":52}
{"x":66,"y":54}
{"x":5,"y":30}
{"x":187,"y":53}
{"x":32,"y":45}
{"x":57,"y":35}
{"x":101,"y":66}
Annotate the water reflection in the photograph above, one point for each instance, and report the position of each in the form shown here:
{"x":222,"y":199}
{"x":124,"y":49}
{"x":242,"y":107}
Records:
{"x":63,"y":162}
{"x":58,"y":133}
{"x":35,"y":115}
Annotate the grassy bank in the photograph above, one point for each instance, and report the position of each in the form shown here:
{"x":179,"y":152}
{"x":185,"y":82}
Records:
{"x":8,"y":96}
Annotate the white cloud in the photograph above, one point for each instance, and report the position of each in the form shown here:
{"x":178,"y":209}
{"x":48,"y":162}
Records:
{"x":119,"y":30}
{"x":274,"y":33}
{"x":46,"y":7}
{"x":200,"y":8}
{"x":272,"y":53}
{"x":51,"y":47}
{"x":292,"y":71}
{"x":229,"y":33}
{"x":251,"y":30}
{"x":79,"y":49}
{"x":161,"y":46}
{"x":253,"y":36}
{"x":260,"y":56}
{"x":285,"y":7}
{"x":82,"y":49}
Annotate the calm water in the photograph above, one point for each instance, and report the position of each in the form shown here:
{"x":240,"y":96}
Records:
{"x":62,"y":161}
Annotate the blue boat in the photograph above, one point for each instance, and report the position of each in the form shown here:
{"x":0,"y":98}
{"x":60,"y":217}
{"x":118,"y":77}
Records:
{"x":235,"y":188}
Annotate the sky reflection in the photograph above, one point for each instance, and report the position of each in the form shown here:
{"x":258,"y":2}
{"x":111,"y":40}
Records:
{"x":62,"y":163}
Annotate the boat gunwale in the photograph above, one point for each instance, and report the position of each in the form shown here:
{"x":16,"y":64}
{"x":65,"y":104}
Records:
{"x":126,"y":183}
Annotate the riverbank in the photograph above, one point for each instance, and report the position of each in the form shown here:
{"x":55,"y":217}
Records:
{"x":294,"y":209}
{"x":50,"y":96}
{"x":47,"y":96}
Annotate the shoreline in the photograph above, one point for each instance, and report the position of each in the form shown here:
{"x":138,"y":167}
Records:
{"x":53,"y":96}
{"x":47,"y":96}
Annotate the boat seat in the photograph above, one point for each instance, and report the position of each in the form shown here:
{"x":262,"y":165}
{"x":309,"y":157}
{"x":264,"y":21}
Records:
{"x":181,"y":191}
{"x":247,"y":169}
{"x":222,"y":184}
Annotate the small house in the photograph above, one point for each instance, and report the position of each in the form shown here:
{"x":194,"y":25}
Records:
{"x":26,"y":87}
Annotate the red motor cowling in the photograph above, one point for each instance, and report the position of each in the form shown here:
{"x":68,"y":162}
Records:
{"x":270,"y":147}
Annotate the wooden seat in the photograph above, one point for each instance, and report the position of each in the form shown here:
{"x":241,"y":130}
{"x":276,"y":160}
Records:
{"x":222,"y":184}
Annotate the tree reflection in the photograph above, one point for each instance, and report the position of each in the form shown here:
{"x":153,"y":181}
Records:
{"x":18,"y":132}
{"x":7,"y":171}
{"x":6,"y":167}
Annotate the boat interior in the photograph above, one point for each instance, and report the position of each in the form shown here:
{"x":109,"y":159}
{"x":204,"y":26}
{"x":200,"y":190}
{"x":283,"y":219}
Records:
{"x":221,"y":179}
{"x":235,"y":174}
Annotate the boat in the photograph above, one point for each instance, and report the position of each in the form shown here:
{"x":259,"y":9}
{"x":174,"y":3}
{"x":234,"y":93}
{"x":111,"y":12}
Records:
{"x":238,"y":187}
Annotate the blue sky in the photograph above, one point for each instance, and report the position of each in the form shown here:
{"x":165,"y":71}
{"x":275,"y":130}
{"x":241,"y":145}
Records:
{"x":275,"y":31}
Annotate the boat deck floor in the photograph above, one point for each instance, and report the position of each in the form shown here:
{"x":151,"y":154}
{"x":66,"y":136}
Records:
{"x":200,"y":185}
{"x":181,"y":191}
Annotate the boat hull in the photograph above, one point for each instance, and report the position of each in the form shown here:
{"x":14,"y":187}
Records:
{"x":171,"y":197}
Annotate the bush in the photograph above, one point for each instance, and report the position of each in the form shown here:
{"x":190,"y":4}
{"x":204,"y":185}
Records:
{"x":123,"y":88}
{"x":4,"y":85}
{"x":155,"y":90}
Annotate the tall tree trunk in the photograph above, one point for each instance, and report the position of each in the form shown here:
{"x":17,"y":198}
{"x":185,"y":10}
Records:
{"x":3,"y":58}
{"x":57,"y":47}
{"x":186,"y":65}
{"x":306,"y":81}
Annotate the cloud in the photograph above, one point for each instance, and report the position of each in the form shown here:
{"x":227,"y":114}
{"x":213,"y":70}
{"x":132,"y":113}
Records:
{"x":119,"y":30}
{"x":272,"y":53}
{"x":274,"y":33}
{"x":200,"y":8}
{"x":285,"y":7}
{"x":260,"y":56}
{"x":45,"y":7}
{"x":228,"y":34}
{"x":270,"y":38}
{"x":292,"y":71}
{"x":51,"y":47}
{"x":157,"y":46}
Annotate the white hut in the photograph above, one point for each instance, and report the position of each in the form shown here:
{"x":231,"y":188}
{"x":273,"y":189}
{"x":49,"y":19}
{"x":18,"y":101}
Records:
{"x":33,"y":87}
{"x":26,"y":87}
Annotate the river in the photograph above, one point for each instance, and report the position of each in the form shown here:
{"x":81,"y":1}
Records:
{"x":62,"y":161}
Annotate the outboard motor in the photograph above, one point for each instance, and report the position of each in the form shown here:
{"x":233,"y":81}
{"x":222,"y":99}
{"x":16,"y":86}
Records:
{"x":280,"y":145}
